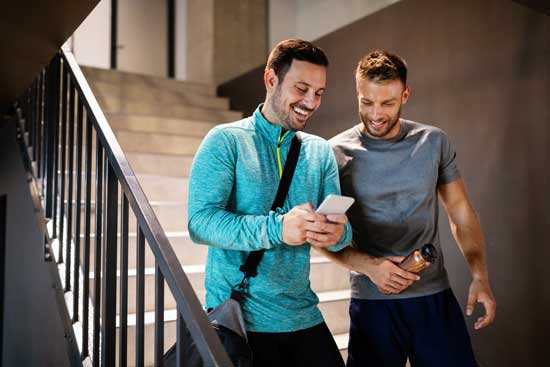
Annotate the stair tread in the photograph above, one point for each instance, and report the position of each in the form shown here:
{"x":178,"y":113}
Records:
{"x":171,"y":314}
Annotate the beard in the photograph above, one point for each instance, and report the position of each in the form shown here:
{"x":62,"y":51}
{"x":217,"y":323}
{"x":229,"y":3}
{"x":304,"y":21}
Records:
{"x":380,"y":134}
{"x":283,"y":116}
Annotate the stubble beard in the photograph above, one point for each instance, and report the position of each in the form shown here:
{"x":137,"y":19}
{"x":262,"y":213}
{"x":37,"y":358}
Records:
{"x":379,"y":134}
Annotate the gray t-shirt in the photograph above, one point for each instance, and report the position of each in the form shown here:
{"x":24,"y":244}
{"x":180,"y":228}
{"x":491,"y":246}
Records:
{"x":394,"y":183}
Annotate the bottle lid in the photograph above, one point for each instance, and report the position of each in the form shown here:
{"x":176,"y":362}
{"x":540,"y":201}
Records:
{"x":428,"y":252}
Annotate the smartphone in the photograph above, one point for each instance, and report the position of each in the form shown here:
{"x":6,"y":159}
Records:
{"x":335,"y":204}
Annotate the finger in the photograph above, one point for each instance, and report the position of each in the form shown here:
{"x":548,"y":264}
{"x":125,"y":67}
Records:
{"x":314,"y":217}
{"x":337,"y":218}
{"x":306,"y":206}
{"x":320,"y":237}
{"x":481,"y":323}
{"x":471,"y":303}
{"x":319,"y":244}
{"x":319,"y":227}
{"x":405,"y":274}
{"x":400,"y":280}
{"x":393,"y":288}
{"x":396,"y":259}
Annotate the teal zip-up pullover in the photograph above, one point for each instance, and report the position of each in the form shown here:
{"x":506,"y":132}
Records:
{"x":233,"y":182}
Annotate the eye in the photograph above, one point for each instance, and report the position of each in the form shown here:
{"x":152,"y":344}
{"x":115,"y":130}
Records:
{"x":301,"y":89}
{"x":389,"y":104}
{"x":320,"y":93}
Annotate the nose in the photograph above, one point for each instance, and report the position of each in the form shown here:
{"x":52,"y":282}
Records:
{"x":376,"y":113}
{"x":310,"y":101}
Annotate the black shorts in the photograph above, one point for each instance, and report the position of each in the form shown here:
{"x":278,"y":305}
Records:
{"x":429,"y":330}
{"x":312,"y":347}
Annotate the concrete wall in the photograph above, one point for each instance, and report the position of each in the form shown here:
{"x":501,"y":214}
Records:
{"x":143,"y":37}
{"x":312,"y":19}
{"x":91,"y":42}
{"x":225,"y":38}
{"x":33,"y":333}
{"x":479,"y":70}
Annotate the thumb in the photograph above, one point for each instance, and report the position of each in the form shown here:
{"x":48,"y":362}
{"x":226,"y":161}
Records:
{"x":471,"y":303}
{"x":395,"y":259}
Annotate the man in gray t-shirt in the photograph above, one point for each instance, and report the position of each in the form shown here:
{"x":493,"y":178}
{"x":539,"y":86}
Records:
{"x":396,"y":169}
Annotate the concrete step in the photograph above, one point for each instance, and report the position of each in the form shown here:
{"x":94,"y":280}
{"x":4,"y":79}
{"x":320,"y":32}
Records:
{"x":152,"y":94}
{"x":145,"y":142}
{"x":163,"y":125}
{"x":94,"y":75}
{"x":171,"y":215}
{"x":175,"y":165}
{"x":170,"y":331}
{"x":186,"y":251}
{"x":158,"y":189}
{"x":325,"y":278}
{"x":196,"y":113}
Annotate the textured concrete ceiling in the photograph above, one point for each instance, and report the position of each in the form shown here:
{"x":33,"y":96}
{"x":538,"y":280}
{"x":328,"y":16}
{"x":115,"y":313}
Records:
{"x":31,"y":32}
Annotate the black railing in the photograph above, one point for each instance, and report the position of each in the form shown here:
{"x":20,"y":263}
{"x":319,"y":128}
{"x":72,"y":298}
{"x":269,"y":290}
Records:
{"x":88,"y":189}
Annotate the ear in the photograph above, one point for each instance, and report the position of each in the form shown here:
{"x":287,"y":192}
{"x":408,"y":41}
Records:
{"x":406,"y":94}
{"x":270,"y":80}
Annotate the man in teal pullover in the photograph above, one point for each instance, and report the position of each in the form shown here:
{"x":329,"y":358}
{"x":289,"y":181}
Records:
{"x":233,"y":182}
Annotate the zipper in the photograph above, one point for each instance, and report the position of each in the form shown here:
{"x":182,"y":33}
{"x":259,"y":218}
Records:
{"x":279,"y":142}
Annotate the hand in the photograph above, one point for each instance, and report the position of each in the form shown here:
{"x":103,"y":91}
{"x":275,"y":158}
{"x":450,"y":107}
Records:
{"x":325,"y":234}
{"x":296,"y":223}
{"x":480,"y":292}
{"x":387,"y":276}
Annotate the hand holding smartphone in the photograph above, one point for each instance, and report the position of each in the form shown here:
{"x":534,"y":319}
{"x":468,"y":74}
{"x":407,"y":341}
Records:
{"x":335,"y":204}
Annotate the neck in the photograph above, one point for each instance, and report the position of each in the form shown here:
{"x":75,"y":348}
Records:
{"x":269,"y":114}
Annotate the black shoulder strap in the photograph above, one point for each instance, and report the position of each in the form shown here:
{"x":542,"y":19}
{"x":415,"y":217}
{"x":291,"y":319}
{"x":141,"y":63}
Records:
{"x":250,"y":267}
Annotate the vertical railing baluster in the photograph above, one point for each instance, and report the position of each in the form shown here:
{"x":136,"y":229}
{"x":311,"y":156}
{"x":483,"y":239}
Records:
{"x":78,"y":202}
{"x":87,"y":238}
{"x":32,"y":121}
{"x":108,"y":320}
{"x":159,"y":316}
{"x":44,"y":140}
{"x":123,"y":316}
{"x":140,"y":297}
{"x":97,"y":252}
{"x":63,"y":165}
{"x":55,"y":157}
{"x":39,"y":135}
{"x":70,"y":189}
{"x":181,"y":341}
{"x":49,"y":138}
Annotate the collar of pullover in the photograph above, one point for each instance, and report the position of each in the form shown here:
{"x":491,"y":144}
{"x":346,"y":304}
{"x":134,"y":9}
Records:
{"x":270,"y":131}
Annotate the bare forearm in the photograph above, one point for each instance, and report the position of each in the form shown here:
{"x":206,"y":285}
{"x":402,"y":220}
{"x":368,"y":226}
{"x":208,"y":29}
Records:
{"x":349,"y":258}
{"x":469,"y":237}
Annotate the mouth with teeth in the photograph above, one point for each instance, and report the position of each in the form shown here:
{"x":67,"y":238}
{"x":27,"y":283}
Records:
{"x":377,"y":125}
{"x":301,"y":113}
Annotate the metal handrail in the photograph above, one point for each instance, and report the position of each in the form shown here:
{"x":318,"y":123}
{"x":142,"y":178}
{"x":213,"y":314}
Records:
{"x":47,"y":129}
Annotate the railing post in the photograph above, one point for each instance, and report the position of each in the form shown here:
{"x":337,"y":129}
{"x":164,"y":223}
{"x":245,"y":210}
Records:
{"x":49,"y":159}
{"x":140,"y":297}
{"x":97,"y":252}
{"x":108,"y":322}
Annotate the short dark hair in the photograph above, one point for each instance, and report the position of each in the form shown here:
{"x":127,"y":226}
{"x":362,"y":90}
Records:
{"x":285,"y":51}
{"x":380,"y":66}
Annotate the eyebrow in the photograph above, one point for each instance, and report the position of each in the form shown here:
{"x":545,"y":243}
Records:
{"x":387,"y":100}
{"x":309,"y":85}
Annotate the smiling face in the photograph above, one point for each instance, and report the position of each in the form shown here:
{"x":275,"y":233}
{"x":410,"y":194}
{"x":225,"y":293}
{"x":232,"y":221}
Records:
{"x":380,"y":105}
{"x":291,"y":102}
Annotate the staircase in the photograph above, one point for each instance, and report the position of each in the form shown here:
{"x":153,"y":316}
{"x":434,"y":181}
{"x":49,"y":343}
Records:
{"x":160,"y":124}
